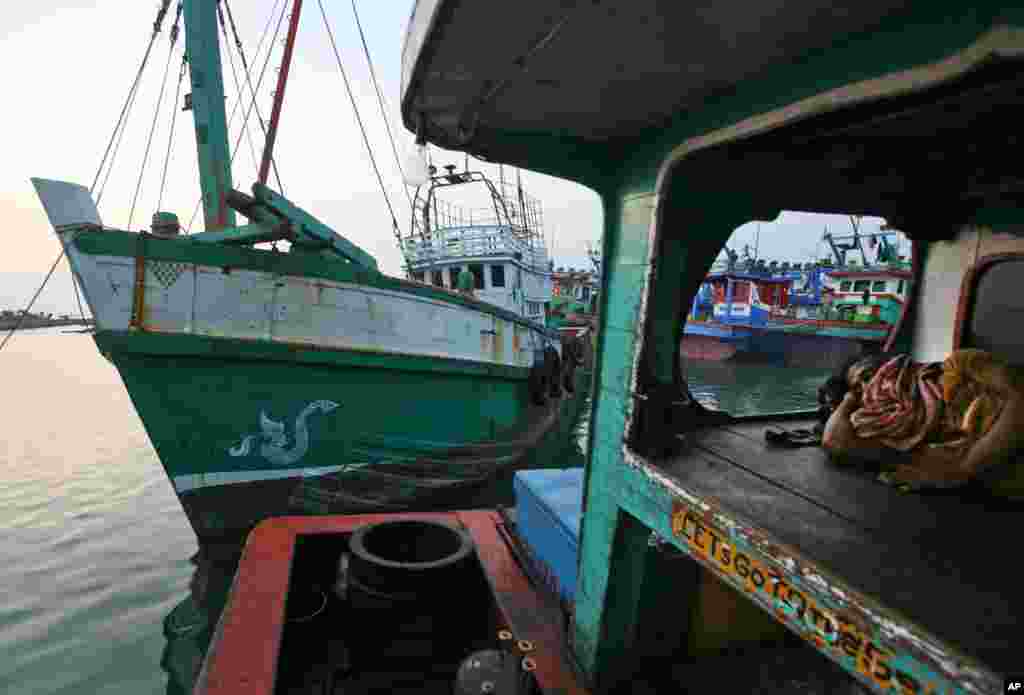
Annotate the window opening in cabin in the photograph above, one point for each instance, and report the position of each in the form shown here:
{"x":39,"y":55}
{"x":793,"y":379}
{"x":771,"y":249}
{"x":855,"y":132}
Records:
{"x":437,"y":278}
{"x":453,"y":276}
{"x":497,"y":276}
{"x":478,"y":275}
{"x":762,"y":337}
{"x":899,"y":289}
{"x":418,"y":276}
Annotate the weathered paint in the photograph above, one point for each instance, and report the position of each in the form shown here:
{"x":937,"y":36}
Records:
{"x":198,"y":299}
{"x":100,"y":252}
{"x":399,"y":417}
{"x":207,"y":336}
{"x":824,"y":615}
{"x":649,"y":494}
{"x":244,"y":651}
{"x":202,"y":45}
{"x":639,"y":489}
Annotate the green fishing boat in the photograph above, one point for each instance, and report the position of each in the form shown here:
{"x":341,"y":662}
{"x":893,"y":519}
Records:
{"x":277,"y":382}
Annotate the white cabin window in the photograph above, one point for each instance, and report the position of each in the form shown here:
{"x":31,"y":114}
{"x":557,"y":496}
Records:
{"x":878,"y":286}
{"x":437,"y":278}
{"x":845,"y":285}
{"x":418,"y":276}
{"x":497,"y":276}
{"x":861,"y":285}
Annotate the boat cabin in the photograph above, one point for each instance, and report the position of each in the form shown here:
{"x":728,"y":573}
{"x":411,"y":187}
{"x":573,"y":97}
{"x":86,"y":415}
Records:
{"x":746,"y":298}
{"x":689,"y":122}
{"x":502,"y":245}
{"x":885,"y":290}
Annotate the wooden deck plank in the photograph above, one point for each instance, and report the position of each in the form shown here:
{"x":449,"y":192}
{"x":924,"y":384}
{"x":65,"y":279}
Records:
{"x":937,"y":560}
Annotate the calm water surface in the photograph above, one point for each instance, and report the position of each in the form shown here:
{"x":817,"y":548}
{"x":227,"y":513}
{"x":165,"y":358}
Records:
{"x":751,"y":389}
{"x":95,"y":547}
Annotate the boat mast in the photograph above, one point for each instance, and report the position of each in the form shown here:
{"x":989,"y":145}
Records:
{"x":282,"y":82}
{"x":202,"y":46}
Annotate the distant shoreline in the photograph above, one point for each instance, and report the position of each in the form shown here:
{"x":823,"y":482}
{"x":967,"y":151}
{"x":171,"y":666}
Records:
{"x":35,"y":322}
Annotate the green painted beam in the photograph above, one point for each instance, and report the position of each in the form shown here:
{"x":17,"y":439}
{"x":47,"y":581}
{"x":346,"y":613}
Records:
{"x":246,"y":234}
{"x":202,"y":48}
{"x":312,"y":229}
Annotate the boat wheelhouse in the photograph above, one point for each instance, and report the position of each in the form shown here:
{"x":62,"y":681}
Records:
{"x":574,"y":300}
{"x":885,"y":290}
{"x":905,"y":111}
{"x":502,"y":245}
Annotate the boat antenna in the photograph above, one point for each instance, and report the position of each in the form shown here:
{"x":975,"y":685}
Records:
{"x":522,"y":202}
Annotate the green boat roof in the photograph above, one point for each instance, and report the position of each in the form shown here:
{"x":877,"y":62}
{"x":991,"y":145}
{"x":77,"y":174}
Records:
{"x":595,"y":71}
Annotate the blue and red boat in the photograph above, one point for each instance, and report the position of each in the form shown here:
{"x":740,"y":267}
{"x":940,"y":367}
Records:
{"x":811,"y":314}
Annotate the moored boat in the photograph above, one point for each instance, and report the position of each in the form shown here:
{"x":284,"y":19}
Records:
{"x":274,"y":382}
{"x":807,"y":315}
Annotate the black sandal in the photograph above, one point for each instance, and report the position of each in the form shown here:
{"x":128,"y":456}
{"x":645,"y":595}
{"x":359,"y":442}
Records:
{"x":792,"y":438}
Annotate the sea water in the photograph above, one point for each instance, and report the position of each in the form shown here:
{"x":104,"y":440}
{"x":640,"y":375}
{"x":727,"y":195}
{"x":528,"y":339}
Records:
{"x":94,"y":547}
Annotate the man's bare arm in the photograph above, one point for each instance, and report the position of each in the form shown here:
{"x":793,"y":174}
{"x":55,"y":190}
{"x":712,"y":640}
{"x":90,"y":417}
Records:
{"x":842,"y":442}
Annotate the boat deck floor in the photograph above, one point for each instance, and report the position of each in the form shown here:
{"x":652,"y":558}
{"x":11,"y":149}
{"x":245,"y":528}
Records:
{"x":947,"y":560}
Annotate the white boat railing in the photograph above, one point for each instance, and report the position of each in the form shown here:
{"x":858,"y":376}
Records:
{"x":468,"y":242}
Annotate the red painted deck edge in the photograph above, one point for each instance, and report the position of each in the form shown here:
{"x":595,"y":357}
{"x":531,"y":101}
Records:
{"x":244,"y":650}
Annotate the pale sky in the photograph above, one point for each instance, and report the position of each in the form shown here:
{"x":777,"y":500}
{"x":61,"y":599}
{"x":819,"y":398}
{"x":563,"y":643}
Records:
{"x":69,"y":65}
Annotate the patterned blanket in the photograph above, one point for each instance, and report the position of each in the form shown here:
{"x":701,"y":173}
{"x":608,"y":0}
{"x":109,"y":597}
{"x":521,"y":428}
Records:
{"x":949,"y":404}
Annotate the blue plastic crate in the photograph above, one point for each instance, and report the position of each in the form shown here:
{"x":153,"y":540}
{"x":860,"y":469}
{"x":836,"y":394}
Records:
{"x":549,"y":507}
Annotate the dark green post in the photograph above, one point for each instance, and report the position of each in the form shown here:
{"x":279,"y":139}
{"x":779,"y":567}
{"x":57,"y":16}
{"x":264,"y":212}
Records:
{"x":202,"y":47}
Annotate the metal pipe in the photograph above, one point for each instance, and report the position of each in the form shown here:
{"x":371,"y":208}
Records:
{"x":282,"y":82}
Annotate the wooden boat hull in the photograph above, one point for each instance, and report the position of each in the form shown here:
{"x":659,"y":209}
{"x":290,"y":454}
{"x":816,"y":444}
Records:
{"x":824,"y":347}
{"x":278,"y":383}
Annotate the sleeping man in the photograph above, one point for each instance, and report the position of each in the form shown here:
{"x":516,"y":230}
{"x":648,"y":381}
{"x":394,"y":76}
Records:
{"x":930,"y":424}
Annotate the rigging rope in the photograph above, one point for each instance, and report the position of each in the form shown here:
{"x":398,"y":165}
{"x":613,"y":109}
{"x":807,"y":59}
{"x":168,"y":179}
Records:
{"x":117,"y":134}
{"x":131,"y":92}
{"x":234,"y":77}
{"x":359,"y":120}
{"x":156,"y":113}
{"x":24,"y":313}
{"x":248,"y":78}
{"x":170,"y":135}
{"x":380,"y":101}
{"x":78,"y":298}
{"x":263,"y":72}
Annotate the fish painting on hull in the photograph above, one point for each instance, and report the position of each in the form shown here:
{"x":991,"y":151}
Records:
{"x":273,"y":441}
